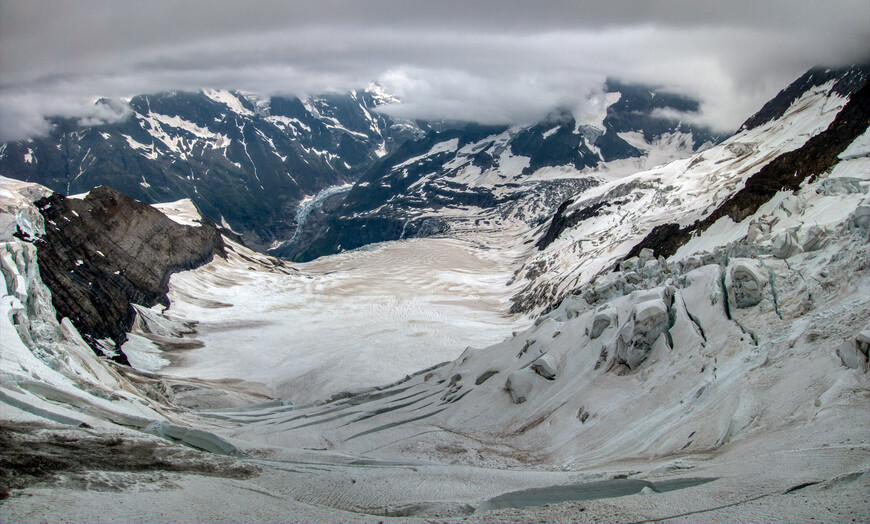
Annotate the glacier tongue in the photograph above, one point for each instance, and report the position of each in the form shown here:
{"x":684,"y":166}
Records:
{"x":351,"y":321}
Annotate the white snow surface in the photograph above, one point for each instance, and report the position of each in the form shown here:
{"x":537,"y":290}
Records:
{"x":181,"y":211}
{"x":441,"y":147}
{"x":359,"y":319}
{"x":228,"y":99}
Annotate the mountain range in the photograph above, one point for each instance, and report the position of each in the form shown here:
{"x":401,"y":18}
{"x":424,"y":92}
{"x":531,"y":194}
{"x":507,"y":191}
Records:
{"x":611,"y":317}
{"x":257,"y":164}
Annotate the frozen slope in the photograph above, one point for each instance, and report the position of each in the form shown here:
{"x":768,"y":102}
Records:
{"x":600,"y":226}
{"x":744,"y":362}
{"x":742,"y":357}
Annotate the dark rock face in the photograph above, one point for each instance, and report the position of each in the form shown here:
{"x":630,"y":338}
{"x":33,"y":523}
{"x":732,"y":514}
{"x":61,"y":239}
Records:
{"x":785,"y":172}
{"x":641,"y":108}
{"x":561,"y":221}
{"x":101,"y":254}
{"x":561,"y":147}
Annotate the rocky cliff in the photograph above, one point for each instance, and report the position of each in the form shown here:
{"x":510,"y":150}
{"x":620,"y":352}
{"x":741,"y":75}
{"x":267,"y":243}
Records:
{"x":101,"y":254}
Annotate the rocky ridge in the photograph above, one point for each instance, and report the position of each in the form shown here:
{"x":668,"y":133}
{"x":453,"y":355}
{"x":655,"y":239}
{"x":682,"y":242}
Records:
{"x":784,"y":173}
{"x":101,"y":254}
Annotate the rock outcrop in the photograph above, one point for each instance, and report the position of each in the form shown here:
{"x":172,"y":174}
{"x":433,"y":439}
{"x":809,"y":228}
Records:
{"x":101,"y":254}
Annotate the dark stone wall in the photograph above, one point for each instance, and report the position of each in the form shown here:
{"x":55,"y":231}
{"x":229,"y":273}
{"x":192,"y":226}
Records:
{"x":107,"y":251}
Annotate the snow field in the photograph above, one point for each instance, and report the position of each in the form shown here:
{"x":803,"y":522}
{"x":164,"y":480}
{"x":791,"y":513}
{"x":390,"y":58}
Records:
{"x":350,"y":321}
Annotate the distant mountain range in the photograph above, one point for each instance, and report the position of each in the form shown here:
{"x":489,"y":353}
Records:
{"x":277,"y":170}
{"x":245,"y":161}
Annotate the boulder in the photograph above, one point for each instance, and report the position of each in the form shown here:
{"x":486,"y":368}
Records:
{"x":545,"y":366}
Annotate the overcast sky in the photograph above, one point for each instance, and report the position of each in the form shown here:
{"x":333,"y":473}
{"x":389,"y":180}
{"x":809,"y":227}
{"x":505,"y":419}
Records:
{"x":491,"y":61}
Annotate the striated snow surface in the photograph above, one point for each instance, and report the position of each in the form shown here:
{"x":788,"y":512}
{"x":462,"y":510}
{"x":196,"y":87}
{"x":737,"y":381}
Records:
{"x":355,"y":320}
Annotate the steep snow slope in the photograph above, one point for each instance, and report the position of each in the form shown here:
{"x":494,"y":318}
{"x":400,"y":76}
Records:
{"x":593,"y":232}
{"x":49,"y":373}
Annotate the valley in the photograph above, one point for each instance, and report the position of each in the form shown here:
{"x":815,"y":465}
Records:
{"x":537,"y":350}
{"x":355,"y":320}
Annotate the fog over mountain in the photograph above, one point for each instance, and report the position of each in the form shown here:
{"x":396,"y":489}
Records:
{"x":490,"y":62}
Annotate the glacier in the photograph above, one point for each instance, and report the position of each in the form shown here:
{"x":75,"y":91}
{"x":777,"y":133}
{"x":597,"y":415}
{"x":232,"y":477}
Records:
{"x":727,"y":380}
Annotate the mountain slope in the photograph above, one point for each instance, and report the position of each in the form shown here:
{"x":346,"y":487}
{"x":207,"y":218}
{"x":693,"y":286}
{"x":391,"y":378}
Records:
{"x":593,"y":232}
{"x":727,"y":380}
{"x":505,"y":177}
{"x":275,"y":169}
{"x":244,"y":160}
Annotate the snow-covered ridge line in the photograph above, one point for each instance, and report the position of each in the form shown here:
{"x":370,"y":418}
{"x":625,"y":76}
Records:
{"x":199,"y":144}
{"x":611,"y":219}
{"x":784,"y":173}
{"x":228,"y":99}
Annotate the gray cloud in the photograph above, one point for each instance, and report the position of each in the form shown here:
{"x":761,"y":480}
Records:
{"x":491,"y":61}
